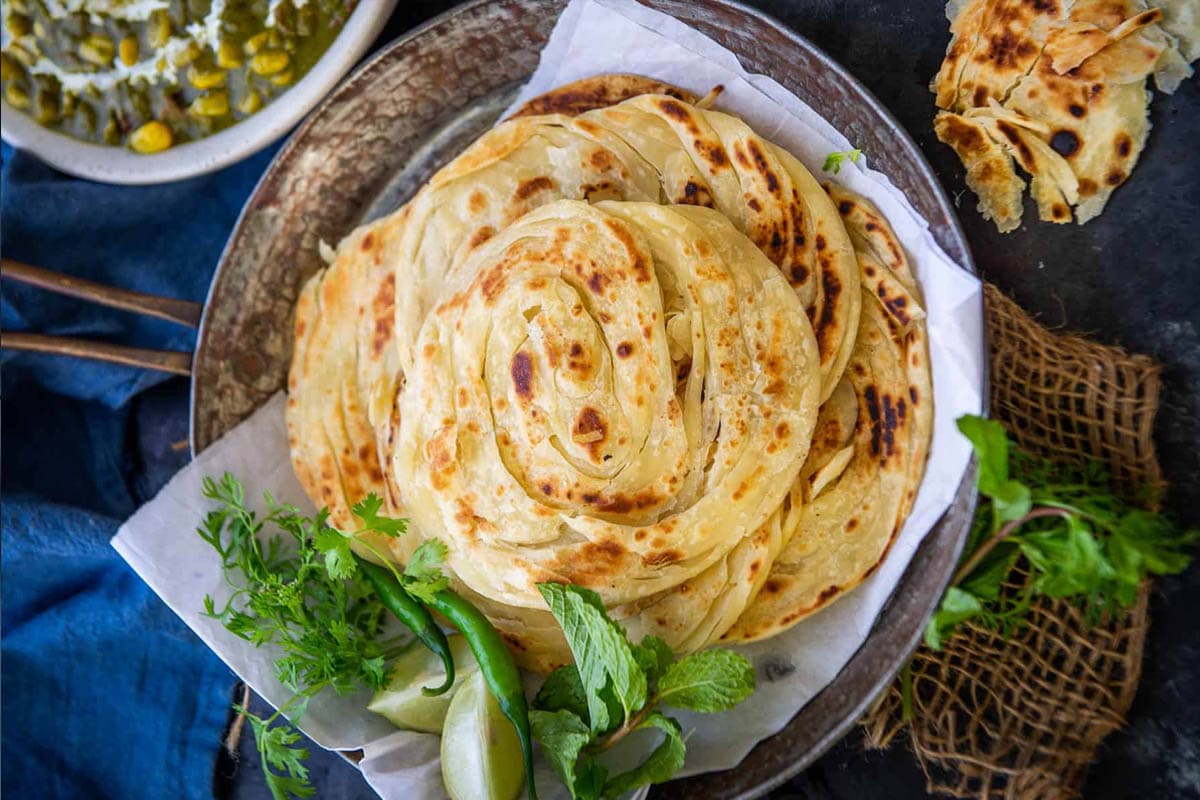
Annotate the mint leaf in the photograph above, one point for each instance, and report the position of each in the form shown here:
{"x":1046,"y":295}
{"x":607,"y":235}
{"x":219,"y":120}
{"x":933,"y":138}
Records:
{"x":423,"y":577}
{"x":654,"y":656}
{"x":1010,"y":499}
{"x":833,"y":161}
{"x":367,"y":511}
{"x":562,"y":735}
{"x":563,"y":691}
{"x":602,"y":652}
{"x":339,"y":559}
{"x":661,"y":764}
{"x":707,"y":681}
{"x":957,"y":606}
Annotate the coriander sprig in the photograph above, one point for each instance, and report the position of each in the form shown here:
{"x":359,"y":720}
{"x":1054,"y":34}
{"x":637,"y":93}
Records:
{"x":1079,"y":541}
{"x":298,"y":590}
{"x":615,"y":688}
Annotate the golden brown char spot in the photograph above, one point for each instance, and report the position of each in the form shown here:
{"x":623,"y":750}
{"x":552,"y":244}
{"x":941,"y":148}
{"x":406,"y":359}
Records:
{"x":712,"y":153}
{"x":764,"y":168}
{"x":529,"y":188}
{"x":662,"y":558}
{"x":480,"y":236}
{"x":695,"y":195}
{"x":850,"y":525}
{"x":368,"y":242}
{"x":677,"y":112}
{"x":601,"y":159}
{"x":1065,"y":143}
{"x":1087,"y":187}
{"x":522,"y":374}
{"x":1114,"y":178}
{"x":624,"y":349}
{"x":1124,"y":145}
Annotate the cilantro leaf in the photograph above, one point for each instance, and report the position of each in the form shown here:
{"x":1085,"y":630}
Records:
{"x":423,"y":577}
{"x":339,"y":559}
{"x":707,"y":681}
{"x":289,"y":586}
{"x":660,"y":765}
{"x":601,"y":650}
{"x":957,"y":606}
{"x":562,"y":735}
{"x":833,"y":161}
{"x":367,"y":511}
{"x":1011,"y":499}
{"x":1079,"y":540}
{"x":282,"y":762}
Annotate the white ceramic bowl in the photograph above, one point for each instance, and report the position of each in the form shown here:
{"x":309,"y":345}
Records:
{"x":120,"y":165}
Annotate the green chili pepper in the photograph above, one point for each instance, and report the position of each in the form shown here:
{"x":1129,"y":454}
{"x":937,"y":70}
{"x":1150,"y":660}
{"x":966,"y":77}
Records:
{"x":415,"y":616}
{"x":497,"y":665}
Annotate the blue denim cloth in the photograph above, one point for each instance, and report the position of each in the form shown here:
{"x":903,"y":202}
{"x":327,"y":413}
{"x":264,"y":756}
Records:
{"x":106,"y":694}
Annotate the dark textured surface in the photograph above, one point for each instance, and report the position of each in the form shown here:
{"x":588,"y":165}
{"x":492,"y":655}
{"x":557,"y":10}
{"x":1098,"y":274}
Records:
{"x":1131,"y":277}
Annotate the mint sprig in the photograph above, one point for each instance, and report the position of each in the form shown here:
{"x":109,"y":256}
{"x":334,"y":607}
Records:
{"x":615,"y":688}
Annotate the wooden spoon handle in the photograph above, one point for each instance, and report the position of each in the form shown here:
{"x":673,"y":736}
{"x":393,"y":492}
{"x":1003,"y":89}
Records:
{"x":173,"y":361}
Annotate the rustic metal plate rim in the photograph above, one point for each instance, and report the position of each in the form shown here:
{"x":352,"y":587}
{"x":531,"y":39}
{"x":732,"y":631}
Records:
{"x":862,"y":679}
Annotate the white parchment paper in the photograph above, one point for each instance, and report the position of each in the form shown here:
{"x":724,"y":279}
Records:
{"x":594,"y":37}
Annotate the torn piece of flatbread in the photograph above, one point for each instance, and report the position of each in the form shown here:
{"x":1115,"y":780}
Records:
{"x":1056,"y":88}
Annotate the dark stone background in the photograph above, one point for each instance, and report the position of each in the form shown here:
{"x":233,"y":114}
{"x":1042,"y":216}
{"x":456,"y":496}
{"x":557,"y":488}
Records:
{"x":1131,"y":277}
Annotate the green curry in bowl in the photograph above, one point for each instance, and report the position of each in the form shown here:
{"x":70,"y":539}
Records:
{"x":149,"y":74}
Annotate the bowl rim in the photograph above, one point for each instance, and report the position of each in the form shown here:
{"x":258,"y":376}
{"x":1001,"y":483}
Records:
{"x":118,"y":165}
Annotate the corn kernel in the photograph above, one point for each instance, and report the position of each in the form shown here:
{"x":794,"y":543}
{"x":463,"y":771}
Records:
{"x":210,"y":104}
{"x":229,"y":55}
{"x":269,"y":62}
{"x":153,"y":137}
{"x":129,"y":51}
{"x":283,"y":78}
{"x":9,"y":68}
{"x":46,"y":108}
{"x":17,"y":25}
{"x":98,"y":50}
{"x":187,"y":55}
{"x":16,"y":96}
{"x":159,"y":29}
{"x":255,"y":43}
{"x":250,"y":103}
{"x":206,"y":78}
{"x":22,"y":54}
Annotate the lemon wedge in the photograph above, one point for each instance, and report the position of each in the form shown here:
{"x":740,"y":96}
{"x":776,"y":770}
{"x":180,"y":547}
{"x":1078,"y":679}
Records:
{"x":481,"y":755}
{"x":402,"y":701}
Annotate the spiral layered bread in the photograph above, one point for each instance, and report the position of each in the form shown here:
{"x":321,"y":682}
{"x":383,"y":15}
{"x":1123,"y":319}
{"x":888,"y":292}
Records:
{"x":634,"y":347}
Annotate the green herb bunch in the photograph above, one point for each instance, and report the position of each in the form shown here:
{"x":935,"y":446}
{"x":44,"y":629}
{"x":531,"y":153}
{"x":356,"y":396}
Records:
{"x":615,"y":688}
{"x":297,"y":590}
{"x":1063,"y":523}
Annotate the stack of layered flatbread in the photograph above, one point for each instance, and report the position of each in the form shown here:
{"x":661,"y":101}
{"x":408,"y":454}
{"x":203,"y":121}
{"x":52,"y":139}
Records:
{"x":624,"y":342}
{"x":1059,"y":88}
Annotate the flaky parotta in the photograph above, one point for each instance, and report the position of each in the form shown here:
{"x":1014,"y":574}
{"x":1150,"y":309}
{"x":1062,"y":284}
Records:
{"x":593,"y":349}
{"x":1056,"y":87}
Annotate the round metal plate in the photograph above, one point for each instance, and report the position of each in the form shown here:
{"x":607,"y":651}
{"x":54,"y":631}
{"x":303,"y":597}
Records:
{"x":411,"y":108}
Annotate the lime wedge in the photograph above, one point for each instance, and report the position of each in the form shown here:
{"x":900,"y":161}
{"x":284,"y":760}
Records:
{"x":402,"y":702}
{"x":481,"y":755}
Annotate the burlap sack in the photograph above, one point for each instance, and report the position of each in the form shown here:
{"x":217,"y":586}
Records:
{"x":1021,"y":718}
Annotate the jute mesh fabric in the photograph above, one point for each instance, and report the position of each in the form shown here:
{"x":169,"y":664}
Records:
{"x":1021,"y":717}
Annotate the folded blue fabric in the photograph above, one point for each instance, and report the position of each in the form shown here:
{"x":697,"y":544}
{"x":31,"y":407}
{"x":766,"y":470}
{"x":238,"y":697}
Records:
{"x":106,"y":692}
